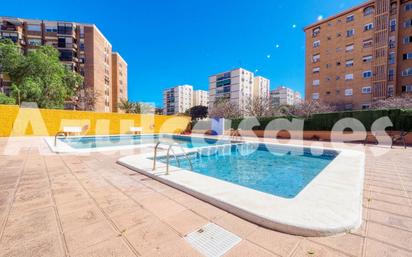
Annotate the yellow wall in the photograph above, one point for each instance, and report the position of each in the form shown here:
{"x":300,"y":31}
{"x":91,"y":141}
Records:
{"x":15,"y":121}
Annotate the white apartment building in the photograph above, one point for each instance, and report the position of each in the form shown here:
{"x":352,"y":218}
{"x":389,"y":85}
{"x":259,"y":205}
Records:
{"x":200,"y":97}
{"x":238,"y":86}
{"x":261,"y":87}
{"x":177,"y":99}
{"x":284,"y":96}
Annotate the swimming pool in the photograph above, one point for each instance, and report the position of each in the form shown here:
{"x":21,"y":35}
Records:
{"x":277,"y":170}
{"x":136,"y":140}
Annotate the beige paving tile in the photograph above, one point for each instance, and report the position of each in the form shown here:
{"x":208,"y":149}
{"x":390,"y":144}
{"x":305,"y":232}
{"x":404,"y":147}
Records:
{"x":162,"y":206}
{"x":133,"y":218}
{"x":349,"y":243}
{"x":391,"y":208}
{"x":276,"y":242}
{"x":79,"y":239}
{"x":207,"y":211}
{"x":150,"y":235}
{"x":390,"y":219}
{"x":81,"y":217}
{"x":21,"y":229}
{"x":110,"y":248}
{"x":185,"y":222}
{"x":375,"y":248}
{"x":309,"y":249}
{"x":120,"y":207}
{"x":175,"y":248}
{"x":393,"y":236}
{"x":238,"y":226}
{"x":247,"y":249}
{"x":48,"y":245}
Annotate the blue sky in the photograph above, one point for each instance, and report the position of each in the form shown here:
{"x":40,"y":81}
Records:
{"x":173,"y":42}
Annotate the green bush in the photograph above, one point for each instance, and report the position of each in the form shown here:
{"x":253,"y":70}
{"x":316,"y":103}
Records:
{"x":401,"y":119}
{"x":6,"y":100}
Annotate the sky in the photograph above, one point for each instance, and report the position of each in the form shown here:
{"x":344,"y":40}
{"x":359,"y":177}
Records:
{"x":173,"y":42}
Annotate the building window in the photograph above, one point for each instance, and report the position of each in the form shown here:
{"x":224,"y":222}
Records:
{"x":316,"y":44}
{"x":51,"y":29}
{"x":367,"y":43}
{"x":407,"y":72}
{"x":316,"y":31}
{"x":391,"y":74}
{"x":349,"y":92}
{"x":348,"y":76}
{"x":366,"y":90}
{"x":392,"y":58}
{"x":367,"y":74}
{"x":407,"y":56}
{"x":368,"y":27}
{"x":316,"y":70}
{"x":392,"y":42}
{"x":408,"y":7}
{"x":367,"y":58}
{"x":349,"y":48}
{"x":33,"y":27}
{"x":316,"y":82}
{"x":316,"y":58}
{"x":407,"y":89}
{"x":350,"y":18}
{"x":407,"y":40}
{"x":34,"y":41}
{"x":408,"y":24}
{"x":350,"y":33}
{"x":315,"y":96}
{"x":349,"y":63}
{"x":392,"y":25}
{"x":366,"y":106}
{"x":391,"y":90}
{"x":368,"y":11}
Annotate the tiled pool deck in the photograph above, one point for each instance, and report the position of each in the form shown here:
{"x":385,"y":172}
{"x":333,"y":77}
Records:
{"x":68,"y":205}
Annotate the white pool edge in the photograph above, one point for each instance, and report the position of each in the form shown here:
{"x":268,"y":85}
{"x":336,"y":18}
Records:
{"x":330,"y":204}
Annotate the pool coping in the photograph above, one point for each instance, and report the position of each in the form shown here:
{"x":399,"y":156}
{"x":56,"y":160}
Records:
{"x":330,"y":204}
{"x":63,"y":147}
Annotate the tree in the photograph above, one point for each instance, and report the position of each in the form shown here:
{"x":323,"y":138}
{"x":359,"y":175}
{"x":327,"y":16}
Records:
{"x":225,"y":109}
{"x":402,"y":102}
{"x":258,"y":107}
{"x":39,"y":76}
{"x":136,"y":107}
{"x":6,"y":100}
{"x":85,"y":98}
{"x":126,"y":106}
{"x":308,"y":108}
{"x":197,"y":112}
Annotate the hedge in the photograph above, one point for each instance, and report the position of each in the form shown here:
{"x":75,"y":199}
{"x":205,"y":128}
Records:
{"x":401,"y":119}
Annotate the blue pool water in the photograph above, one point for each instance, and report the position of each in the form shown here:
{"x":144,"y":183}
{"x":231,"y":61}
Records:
{"x":110,"y":141}
{"x":273,"y":172}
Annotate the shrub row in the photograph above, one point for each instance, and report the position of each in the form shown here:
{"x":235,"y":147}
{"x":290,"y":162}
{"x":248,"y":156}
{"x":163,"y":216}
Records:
{"x":401,"y":119}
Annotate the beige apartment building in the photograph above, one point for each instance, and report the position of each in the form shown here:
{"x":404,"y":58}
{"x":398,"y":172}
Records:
{"x":360,"y":55}
{"x":239,"y":86}
{"x":119,"y":82}
{"x":83,"y":48}
{"x":284,"y":96}
{"x":177,"y":99}
{"x":200,"y":98}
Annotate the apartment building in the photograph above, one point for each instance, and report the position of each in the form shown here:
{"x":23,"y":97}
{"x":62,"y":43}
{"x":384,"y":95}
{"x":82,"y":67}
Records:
{"x":261,"y":87}
{"x":119,"y":75}
{"x":360,"y":55}
{"x":239,"y":86}
{"x":284,"y":96}
{"x":177,"y":99}
{"x":200,"y":98}
{"x":83,"y":48}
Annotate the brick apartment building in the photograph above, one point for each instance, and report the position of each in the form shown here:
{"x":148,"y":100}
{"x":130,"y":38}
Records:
{"x":83,"y":48}
{"x":360,"y":55}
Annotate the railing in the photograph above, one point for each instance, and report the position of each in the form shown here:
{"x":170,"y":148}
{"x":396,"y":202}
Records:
{"x":169,"y":150}
{"x":57,"y":135}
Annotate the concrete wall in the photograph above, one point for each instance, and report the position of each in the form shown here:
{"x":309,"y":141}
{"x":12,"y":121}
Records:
{"x":15,"y":121}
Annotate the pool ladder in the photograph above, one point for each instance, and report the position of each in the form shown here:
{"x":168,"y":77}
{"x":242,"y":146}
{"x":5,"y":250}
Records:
{"x":170,"y":150}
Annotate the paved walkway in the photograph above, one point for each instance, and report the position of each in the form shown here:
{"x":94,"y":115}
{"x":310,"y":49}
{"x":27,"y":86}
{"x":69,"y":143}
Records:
{"x":65,"y":205}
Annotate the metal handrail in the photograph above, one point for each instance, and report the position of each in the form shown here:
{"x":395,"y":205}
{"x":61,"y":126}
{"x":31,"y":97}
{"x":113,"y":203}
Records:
{"x":57,"y":135}
{"x":170,"y":149}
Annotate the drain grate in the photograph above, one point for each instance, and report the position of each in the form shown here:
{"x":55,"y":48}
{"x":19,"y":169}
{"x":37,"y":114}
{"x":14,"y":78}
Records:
{"x":212,"y":240}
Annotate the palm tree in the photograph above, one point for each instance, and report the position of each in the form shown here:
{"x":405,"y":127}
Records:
{"x":126,"y":106}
